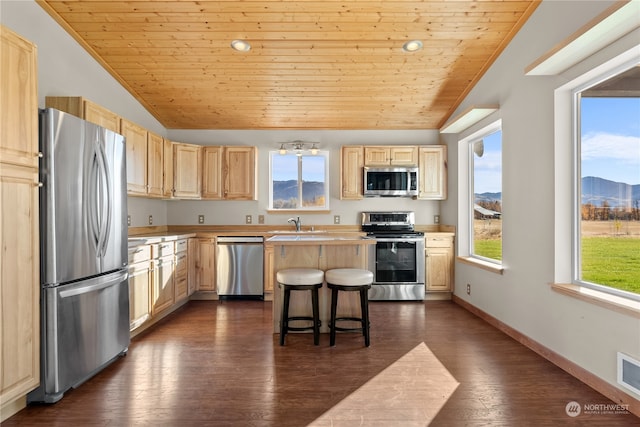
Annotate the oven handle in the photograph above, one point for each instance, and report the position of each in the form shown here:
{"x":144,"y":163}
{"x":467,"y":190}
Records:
{"x":395,"y":239}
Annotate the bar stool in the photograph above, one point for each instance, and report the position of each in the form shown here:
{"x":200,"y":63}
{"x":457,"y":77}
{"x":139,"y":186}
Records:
{"x":300,"y":279}
{"x":349,"y":280}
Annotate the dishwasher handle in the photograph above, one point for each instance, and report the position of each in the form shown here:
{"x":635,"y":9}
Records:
{"x":239,"y":240}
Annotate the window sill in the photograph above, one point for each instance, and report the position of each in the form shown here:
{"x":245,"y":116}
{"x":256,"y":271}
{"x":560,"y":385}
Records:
{"x":298,"y":211}
{"x":489,"y":266}
{"x":603,"y":299}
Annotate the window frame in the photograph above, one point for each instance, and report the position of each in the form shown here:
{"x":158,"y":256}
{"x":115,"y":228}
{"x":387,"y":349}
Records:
{"x":467,"y":143}
{"x":606,"y":71}
{"x":327,"y":187}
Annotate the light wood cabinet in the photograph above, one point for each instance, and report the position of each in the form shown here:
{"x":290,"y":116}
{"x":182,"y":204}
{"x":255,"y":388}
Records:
{"x":269,"y":260}
{"x":162,"y":292}
{"x":439,"y":249}
{"x":167,"y":170}
{"x":19,"y":263}
{"x":187,"y":167}
{"x":181,"y":271}
{"x":155,"y":165}
{"x":239,"y":172}
{"x":351,"y":163}
{"x":136,"y":142}
{"x":139,"y":293}
{"x":206,"y":267}
{"x":212,"y":172}
{"x":85,"y":109}
{"x":390,"y":156}
{"x":433,"y":172}
{"x":192,"y":256}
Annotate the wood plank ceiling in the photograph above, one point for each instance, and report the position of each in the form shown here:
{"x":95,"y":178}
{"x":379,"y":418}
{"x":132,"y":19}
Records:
{"x":313,"y":64}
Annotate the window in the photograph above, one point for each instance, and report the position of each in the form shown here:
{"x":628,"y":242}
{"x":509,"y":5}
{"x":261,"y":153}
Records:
{"x":485,"y":193}
{"x":299,"y":181}
{"x":607,"y":183}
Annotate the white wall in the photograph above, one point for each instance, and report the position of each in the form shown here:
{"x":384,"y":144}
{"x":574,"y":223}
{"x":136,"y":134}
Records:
{"x":586,"y":334}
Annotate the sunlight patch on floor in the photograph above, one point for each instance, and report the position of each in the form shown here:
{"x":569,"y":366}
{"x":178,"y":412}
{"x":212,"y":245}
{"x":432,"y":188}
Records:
{"x":410,"y":392}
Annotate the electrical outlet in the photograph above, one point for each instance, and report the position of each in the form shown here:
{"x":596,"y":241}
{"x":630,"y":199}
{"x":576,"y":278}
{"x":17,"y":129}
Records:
{"x":436,"y":219}
{"x":336,"y":219}
{"x":200,"y":219}
{"x":260,"y":219}
{"x":150,"y":219}
{"x":129,"y":220}
{"x":468,"y":289}
{"x":248,"y":219}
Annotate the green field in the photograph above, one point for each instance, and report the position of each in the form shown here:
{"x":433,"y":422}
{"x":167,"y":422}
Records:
{"x":610,"y":261}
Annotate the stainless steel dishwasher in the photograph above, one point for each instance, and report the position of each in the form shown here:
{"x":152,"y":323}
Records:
{"x":240,"y":267}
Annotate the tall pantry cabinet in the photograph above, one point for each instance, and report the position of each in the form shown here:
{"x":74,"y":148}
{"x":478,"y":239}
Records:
{"x":19,"y":256}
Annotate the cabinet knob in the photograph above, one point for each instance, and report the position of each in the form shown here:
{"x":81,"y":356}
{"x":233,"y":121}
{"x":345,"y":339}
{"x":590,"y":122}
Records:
{"x":39,"y":185}
{"x":40,"y":155}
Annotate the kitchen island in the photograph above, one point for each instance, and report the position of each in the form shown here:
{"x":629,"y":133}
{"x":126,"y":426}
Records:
{"x":322,"y":251}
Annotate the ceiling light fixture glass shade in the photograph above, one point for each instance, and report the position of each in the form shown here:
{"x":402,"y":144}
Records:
{"x":298,"y":148}
{"x":412,"y":46}
{"x":241,"y":45}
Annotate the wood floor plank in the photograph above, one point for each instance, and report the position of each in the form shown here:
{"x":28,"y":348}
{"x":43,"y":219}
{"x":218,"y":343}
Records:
{"x":218,"y":364}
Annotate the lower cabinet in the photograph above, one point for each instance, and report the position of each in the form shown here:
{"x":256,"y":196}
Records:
{"x":162,"y":293}
{"x":192,"y":264}
{"x":181,"y":285}
{"x":139,"y":293}
{"x":439,"y":262}
{"x":206,"y":267}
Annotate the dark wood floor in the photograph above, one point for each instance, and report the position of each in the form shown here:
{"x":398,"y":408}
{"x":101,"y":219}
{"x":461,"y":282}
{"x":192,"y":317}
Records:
{"x":218,"y":364}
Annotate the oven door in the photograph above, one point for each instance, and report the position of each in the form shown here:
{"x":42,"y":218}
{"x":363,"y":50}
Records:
{"x":398,"y":268}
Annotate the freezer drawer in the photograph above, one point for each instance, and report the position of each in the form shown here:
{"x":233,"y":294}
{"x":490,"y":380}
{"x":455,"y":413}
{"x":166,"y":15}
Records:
{"x":86,"y":326}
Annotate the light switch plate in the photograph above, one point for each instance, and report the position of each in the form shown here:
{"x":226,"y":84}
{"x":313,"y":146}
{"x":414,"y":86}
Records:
{"x":260,"y":219}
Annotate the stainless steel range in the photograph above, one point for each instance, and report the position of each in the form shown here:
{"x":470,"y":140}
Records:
{"x":397,"y":262}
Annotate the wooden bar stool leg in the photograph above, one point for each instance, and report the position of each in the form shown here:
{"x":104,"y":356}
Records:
{"x":332,"y":322}
{"x":284,"y":318}
{"x":316,"y":316}
{"x":364,"y":306}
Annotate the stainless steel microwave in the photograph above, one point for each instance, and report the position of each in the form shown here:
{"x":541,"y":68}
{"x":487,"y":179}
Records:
{"x":390,"y":181}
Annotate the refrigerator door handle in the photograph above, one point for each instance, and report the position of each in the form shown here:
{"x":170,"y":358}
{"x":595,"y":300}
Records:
{"x":105,"y":197}
{"x":104,"y":282}
{"x":92,"y":201}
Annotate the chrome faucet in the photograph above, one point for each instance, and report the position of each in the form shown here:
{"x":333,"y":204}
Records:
{"x":296,"y":222}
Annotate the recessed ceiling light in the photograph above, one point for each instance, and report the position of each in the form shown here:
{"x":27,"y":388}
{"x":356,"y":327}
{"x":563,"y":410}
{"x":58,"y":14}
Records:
{"x":412,"y":46}
{"x":241,"y":45}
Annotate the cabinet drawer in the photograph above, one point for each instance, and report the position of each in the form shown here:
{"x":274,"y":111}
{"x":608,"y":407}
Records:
{"x":181,"y":245}
{"x":159,"y":250}
{"x":139,"y":253}
{"x":181,"y":264}
{"x":439,"y":242}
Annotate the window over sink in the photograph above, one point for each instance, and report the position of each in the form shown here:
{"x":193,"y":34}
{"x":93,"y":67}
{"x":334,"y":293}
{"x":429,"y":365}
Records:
{"x":299,"y":181}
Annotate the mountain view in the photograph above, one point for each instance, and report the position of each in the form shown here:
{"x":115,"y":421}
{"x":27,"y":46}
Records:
{"x":594,"y":190}
{"x":285,"y":190}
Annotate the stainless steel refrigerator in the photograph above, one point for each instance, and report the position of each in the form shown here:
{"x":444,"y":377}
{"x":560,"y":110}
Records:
{"x":83,"y":235}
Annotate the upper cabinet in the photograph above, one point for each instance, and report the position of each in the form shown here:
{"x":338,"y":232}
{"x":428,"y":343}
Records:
{"x":351,"y":163}
{"x":430,"y":159}
{"x":433,"y":172}
{"x":390,"y":155}
{"x":239,"y":173}
{"x":155,"y":165}
{"x":187,"y":167}
{"x":167,"y":169}
{"x":85,"y":109}
{"x":212,"y":173}
{"x":136,"y":143}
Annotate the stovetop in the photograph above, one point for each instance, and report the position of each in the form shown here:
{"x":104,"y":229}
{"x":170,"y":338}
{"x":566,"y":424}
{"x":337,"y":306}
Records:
{"x":389,"y":224}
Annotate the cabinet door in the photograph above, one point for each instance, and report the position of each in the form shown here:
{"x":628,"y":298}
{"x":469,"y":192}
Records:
{"x":240,"y":173}
{"x":155,"y":147}
{"x":18,"y":100}
{"x":351,"y":172}
{"x":163,"y":284}
{"x":192,"y":257}
{"x":438,"y":265}
{"x":136,"y":138}
{"x":94,"y":113}
{"x":377,"y":156}
{"x":212,"y":173}
{"x":19,"y":285}
{"x":139,"y":294}
{"x":404,"y":156}
{"x":433,"y":172}
{"x":269,"y":269}
{"x":187,"y":166}
{"x":206,"y":268}
{"x":167,"y":169}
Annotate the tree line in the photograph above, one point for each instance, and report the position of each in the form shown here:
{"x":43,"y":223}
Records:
{"x":606,"y":212}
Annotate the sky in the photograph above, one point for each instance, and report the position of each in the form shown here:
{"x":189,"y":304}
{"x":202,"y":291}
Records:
{"x":611,"y":139}
{"x":487,"y":170}
{"x":284,"y":168}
